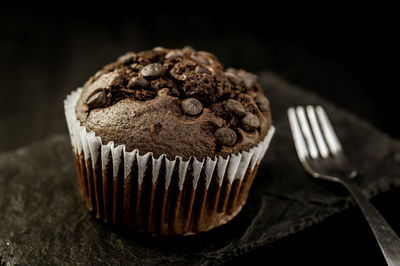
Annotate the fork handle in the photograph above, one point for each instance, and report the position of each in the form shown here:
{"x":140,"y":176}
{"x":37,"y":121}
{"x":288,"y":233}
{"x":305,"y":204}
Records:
{"x":387,"y":239}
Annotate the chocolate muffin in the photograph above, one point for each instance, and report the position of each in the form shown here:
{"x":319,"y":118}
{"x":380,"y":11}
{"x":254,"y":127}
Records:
{"x":168,"y":142}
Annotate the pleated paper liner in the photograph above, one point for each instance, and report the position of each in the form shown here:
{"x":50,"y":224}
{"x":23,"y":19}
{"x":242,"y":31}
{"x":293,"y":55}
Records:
{"x":157,"y":195}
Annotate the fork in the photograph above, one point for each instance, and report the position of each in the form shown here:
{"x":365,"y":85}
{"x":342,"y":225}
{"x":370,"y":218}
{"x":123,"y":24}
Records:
{"x":322,"y":156}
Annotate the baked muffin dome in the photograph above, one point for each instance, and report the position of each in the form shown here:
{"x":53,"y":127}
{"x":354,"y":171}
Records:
{"x":178,"y":102}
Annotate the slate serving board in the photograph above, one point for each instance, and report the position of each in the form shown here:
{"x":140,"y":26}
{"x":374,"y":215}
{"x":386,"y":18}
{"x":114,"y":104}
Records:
{"x":44,"y":221}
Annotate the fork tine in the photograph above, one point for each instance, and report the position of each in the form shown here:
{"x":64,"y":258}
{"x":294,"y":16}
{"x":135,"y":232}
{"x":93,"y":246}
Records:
{"x":297,"y":135}
{"x":323,"y":149}
{"x":330,"y":135}
{"x":312,"y":148}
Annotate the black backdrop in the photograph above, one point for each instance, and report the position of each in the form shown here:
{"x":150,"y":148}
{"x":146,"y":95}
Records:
{"x":44,"y":54}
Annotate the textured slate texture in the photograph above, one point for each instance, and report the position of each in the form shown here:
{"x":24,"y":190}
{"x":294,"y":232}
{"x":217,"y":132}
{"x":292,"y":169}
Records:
{"x":44,"y":221}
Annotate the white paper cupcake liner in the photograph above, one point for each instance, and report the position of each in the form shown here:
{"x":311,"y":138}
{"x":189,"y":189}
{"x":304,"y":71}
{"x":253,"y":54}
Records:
{"x":158,"y":195}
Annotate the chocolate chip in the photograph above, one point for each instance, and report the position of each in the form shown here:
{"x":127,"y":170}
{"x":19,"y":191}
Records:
{"x":250,"y":121}
{"x":152,"y":70}
{"x":192,"y":106}
{"x":126,"y":58}
{"x":97,"y":100}
{"x":262,"y":103}
{"x":233,"y":78}
{"x":159,"y":49}
{"x":201,"y":70}
{"x":98,"y":74}
{"x":235,"y":107}
{"x":225,"y":136}
{"x":200,"y":59}
{"x":173,"y":54}
{"x":205,"y":54}
{"x":138,"y":82}
{"x":188,"y":49}
{"x":248,"y":78}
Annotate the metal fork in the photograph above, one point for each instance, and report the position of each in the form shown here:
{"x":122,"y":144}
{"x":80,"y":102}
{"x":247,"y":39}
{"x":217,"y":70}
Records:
{"x":322,"y":156}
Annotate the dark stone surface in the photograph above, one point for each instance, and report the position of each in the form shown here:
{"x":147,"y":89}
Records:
{"x":43,"y":219}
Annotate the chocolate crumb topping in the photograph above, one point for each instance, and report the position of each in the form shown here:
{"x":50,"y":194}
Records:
{"x":178,"y":102}
{"x":155,"y":128}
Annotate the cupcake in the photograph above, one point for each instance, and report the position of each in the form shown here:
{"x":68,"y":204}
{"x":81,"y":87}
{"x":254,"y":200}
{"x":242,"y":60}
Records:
{"x":167,"y":142}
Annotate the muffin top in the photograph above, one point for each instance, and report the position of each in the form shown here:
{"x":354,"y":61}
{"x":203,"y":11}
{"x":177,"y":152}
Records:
{"x":178,"y":102}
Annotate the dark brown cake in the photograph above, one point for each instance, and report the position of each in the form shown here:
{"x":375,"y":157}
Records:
{"x":175,"y":102}
{"x":213,"y":125}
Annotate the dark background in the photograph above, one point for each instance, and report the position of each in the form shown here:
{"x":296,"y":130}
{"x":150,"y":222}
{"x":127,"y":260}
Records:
{"x":45,"y":54}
